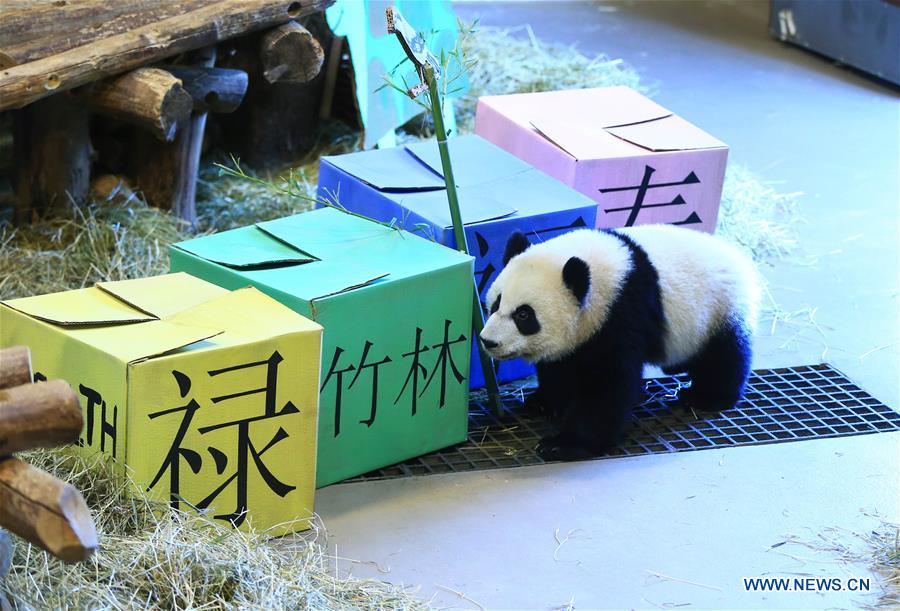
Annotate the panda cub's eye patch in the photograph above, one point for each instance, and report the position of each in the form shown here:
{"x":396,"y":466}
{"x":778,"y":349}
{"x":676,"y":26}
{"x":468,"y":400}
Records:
{"x":525,"y":320}
{"x":496,"y":305}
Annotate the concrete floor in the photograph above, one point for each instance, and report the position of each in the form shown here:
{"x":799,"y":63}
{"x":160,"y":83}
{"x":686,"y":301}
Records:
{"x":707,"y":517}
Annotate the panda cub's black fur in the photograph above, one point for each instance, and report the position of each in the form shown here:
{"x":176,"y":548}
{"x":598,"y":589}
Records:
{"x":592,"y":388}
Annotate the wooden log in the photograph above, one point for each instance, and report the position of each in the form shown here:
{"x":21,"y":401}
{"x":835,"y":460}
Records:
{"x":46,"y":511}
{"x":25,"y":83}
{"x":34,"y":29}
{"x":277,"y":122}
{"x":15,"y":366}
{"x":212,"y":89}
{"x":52,"y":153}
{"x":167,"y":172}
{"x":147,"y":97}
{"x":290,"y":54}
{"x":42,"y":415}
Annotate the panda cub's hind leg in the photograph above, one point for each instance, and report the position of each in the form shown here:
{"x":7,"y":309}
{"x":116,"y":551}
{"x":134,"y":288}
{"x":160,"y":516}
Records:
{"x":719,"y":372}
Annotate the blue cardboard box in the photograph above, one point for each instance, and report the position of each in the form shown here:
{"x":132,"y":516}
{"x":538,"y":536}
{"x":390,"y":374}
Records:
{"x":498,"y":194}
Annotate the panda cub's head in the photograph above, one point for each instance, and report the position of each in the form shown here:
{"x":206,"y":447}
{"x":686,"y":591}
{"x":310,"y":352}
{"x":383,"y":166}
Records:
{"x":536,"y":302}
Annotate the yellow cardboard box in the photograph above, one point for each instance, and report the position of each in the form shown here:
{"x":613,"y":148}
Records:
{"x":209,"y":396}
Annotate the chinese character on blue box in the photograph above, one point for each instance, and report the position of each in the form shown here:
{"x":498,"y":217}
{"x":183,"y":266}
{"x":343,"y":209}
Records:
{"x":498,"y":194}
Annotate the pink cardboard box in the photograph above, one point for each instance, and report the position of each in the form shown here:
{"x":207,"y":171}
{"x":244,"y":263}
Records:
{"x":638,"y":161}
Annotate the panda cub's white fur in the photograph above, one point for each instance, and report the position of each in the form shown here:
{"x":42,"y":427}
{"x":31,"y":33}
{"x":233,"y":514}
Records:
{"x":591,"y":307}
{"x":703,"y":280}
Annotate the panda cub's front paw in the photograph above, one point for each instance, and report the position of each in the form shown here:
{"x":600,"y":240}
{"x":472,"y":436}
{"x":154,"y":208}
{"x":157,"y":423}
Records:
{"x":536,"y":403}
{"x":559,"y":447}
{"x":691,"y":398}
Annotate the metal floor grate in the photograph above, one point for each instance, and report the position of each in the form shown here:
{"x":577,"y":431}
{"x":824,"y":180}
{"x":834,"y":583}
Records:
{"x":789,"y":404}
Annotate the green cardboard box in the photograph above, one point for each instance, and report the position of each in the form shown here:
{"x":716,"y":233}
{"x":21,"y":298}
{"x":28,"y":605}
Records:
{"x":397,"y":313}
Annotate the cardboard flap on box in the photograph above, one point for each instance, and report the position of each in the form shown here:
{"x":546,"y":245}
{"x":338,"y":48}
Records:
{"x":475,"y":206}
{"x":165,"y":295}
{"x":474,"y":159}
{"x":148,"y":340}
{"x":245,"y":249}
{"x":105,"y":321}
{"x":670,"y":133}
{"x":391,"y":170}
{"x":320,"y":279}
{"x":583,"y":141}
{"x":602,"y":106}
{"x":334,"y":238}
{"x":246,"y":313}
{"x":606,"y":122}
{"x":80,"y":308}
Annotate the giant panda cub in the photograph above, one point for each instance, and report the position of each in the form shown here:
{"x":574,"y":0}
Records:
{"x":590,"y":308}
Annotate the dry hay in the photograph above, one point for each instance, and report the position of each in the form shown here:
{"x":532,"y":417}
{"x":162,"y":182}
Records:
{"x":152,"y":557}
{"x":225,"y":200}
{"x":758,"y":218}
{"x":878,"y":548}
{"x":113,"y":242}
{"x":514,"y":60}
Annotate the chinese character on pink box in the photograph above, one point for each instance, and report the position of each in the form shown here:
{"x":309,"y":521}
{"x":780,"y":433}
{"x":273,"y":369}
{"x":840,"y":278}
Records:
{"x":640,"y":162}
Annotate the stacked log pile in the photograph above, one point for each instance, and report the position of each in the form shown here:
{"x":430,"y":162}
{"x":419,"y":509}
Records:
{"x":125,"y":87}
{"x":34,"y":505}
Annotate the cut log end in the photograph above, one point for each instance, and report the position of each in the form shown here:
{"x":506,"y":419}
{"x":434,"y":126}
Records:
{"x":291,"y":54}
{"x":45,"y":511}
{"x":219,"y":90}
{"x":175,"y":110}
{"x":83,"y":541}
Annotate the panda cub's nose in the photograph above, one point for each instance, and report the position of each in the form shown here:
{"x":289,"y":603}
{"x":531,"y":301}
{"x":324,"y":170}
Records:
{"x":489,"y":344}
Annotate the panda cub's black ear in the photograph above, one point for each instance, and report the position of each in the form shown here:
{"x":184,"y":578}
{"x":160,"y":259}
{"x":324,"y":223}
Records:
{"x":577,"y":276}
{"x":515,"y":245}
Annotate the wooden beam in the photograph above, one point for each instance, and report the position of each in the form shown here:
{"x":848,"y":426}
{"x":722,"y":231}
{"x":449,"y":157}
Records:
{"x":42,"y":415}
{"x":26,"y":83}
{"x":212,"y":89}
{"x":35,"y":29}
{"x":15,"y":366}
{"x":147,"y":97}
{"x":46,"y":511}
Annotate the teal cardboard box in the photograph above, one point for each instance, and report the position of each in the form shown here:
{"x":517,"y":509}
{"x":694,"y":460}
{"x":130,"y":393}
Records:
{"x":397,"y":314}
{"x":498,"y":194}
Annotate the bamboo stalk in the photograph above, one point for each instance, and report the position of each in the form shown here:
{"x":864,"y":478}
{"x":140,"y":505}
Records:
{"x":487,"y":364}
